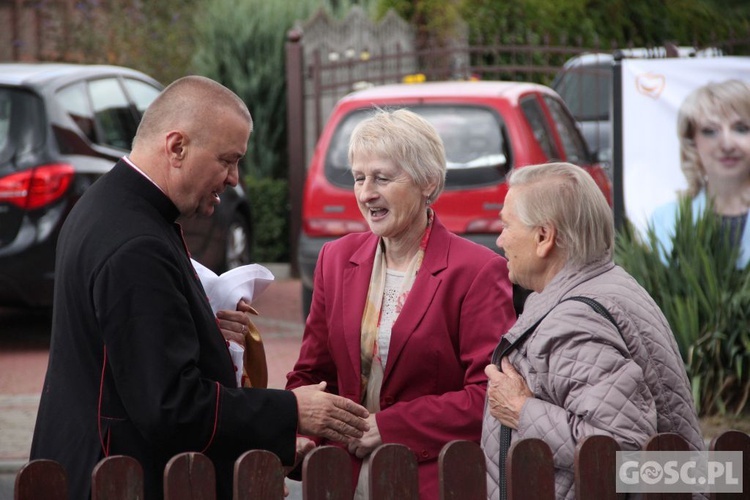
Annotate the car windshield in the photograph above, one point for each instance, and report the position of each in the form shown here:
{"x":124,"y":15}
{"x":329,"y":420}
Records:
{"x":21,"y":124}
{"x":475,"y":147}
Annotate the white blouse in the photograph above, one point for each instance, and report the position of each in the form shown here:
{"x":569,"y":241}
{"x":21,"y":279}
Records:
{"x":389,"y":311}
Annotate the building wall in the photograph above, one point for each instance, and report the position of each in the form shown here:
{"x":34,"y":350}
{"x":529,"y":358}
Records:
{"x":35,"y":30}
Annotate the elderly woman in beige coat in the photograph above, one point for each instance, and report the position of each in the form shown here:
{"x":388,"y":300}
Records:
{"x":566,"y":371}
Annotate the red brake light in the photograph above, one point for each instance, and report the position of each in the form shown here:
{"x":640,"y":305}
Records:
{"x":36,"y":187}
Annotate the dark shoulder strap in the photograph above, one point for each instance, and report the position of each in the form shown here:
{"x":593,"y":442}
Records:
{"x":597,"y":307}
{"x":505,"y":346}
{"x":600,"y":310}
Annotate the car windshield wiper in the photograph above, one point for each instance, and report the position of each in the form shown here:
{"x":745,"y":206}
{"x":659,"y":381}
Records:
{"x":494,"y":160}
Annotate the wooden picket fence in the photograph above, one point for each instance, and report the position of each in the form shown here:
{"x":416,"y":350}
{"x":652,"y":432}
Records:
{"x":326,"y":473}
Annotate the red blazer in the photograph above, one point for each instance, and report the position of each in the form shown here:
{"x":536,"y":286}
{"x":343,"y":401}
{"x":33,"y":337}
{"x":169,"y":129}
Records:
{"x":434,"y":383}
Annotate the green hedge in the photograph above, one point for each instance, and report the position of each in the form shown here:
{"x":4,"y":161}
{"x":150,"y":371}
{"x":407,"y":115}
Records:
{"x":269,"y":199}
{"x":706,"y":300}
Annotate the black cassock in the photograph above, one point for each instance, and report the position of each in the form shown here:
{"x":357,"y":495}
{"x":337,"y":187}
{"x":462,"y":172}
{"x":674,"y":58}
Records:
{"x":137,"y":363}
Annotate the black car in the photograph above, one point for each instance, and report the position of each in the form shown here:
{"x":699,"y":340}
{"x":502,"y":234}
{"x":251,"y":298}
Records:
{"x":61,"y":127}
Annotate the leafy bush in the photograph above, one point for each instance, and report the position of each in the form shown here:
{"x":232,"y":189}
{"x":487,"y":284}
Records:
{"x":153,"y":37}
{"x":624,"y":22}
{"x":270,"y":201}
{"x":241,"y":43}
{"x":706,"y":300}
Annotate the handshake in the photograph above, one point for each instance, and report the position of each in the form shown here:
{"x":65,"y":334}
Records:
{"x":329,"y":416}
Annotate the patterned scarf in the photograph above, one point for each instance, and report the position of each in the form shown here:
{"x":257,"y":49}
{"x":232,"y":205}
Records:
{"x":372,"y":366}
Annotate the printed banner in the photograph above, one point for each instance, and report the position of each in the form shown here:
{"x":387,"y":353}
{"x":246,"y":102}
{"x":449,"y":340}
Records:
{"x":652,"y":92}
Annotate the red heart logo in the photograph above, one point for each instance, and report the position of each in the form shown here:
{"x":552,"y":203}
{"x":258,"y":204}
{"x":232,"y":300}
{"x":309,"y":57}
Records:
{"x":650,"y":84}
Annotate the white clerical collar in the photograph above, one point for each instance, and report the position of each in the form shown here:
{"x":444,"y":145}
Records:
{"x":144,"y":174}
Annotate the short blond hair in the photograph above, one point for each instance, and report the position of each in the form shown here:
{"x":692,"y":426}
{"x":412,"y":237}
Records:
{"x":406,"y":139}
{"x":718,"y":99}
{"x":566,"y":196}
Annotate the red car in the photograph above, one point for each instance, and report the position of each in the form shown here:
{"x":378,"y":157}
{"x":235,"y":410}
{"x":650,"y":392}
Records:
{"x":488,"y":129}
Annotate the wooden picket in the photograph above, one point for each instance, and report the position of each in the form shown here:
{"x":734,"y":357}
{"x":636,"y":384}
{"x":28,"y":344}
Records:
{"x":667,"y":441}
{"x":189,"y":476}
{"x":530,"y":470}
{"x":258,"y":474}
{"x":462,"y":472}
{"x":595,"y":469}
{"x":734,"y":441}
{"x":393,"y":473}
{"x":41,"y":480}
{"x":327,"y":473}
{"x":117,"y":478}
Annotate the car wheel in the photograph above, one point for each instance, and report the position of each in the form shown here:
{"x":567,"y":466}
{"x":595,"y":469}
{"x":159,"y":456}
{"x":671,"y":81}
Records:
{"x":237,"y":248}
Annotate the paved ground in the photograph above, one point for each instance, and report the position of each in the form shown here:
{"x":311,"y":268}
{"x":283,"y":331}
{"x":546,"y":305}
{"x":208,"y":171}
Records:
{"x":22,"y":368}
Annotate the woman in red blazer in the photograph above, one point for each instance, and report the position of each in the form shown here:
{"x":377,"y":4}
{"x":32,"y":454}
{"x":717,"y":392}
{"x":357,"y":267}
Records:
{"x":404,"y":317}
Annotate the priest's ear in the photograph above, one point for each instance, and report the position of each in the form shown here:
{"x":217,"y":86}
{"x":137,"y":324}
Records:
{"x":175,"y":147}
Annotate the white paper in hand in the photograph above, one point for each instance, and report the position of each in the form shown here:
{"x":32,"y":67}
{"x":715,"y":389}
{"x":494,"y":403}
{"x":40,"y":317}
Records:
{"x":237,"y":352}
{"x":225,"y":291}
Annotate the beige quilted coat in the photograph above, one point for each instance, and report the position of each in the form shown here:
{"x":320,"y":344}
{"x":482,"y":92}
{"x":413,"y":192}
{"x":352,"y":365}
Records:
{"x":583,"y":379}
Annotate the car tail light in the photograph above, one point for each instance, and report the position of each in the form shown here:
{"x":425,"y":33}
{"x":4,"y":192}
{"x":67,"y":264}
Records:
{"x":333,"y":227}
{"x":36,"y":187}
{"x":493,"y":225}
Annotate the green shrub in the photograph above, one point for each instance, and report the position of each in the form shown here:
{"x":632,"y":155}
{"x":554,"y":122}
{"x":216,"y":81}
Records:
{"x":269,"y":199}
{"x":624,"y":22}
{"x":706,"y":300}
{"x":241,"y":43}
{"x":153,"y":37}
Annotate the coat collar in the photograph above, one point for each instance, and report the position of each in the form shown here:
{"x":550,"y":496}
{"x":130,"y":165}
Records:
{"x":561,"y":286}
{"x":357,"y":281}
{"x":132,"y":180}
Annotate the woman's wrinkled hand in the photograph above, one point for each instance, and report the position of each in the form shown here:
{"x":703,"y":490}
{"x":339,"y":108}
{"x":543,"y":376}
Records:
{"x":370,"y":440}
{"x":507,"y":391}
{"x":303,"y":447}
